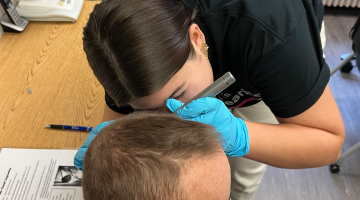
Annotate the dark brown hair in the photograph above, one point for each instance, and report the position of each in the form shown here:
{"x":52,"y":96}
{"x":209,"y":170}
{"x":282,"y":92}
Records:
{"x":134,"y":47}
{"x":140,"y":157}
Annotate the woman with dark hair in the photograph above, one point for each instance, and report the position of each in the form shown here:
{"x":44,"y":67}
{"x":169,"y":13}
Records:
{"x":153,"y":55}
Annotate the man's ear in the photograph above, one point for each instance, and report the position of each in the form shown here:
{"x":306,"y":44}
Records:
{"x":196,"y":35}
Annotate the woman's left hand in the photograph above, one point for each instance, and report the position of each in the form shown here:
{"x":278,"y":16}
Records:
{"x":79,"y":157}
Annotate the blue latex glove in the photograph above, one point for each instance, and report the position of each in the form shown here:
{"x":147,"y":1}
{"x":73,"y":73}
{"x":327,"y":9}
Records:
{"x":214,"y":112}
{"x":79,"y":157}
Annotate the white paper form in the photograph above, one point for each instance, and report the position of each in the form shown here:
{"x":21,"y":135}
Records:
{"x":34,"y":174}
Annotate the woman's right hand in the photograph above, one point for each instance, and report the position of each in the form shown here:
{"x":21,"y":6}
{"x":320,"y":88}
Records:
{"x":214,"y":112}
{"x":79,"y":157}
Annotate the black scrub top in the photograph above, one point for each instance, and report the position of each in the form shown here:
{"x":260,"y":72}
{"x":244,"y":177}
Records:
{"x":272,"y":47}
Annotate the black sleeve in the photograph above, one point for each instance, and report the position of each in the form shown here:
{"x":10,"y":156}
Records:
{"x":119,"y":109}
{"x":293,"y":77}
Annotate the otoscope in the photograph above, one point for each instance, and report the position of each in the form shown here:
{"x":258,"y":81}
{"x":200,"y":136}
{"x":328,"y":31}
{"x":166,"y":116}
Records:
{"x":214,"y":89}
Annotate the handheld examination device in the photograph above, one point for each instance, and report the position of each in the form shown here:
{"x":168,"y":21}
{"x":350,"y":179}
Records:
{"x":214,"y":89}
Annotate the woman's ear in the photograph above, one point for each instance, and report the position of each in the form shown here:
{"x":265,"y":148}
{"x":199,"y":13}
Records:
{"x":196,"y":35}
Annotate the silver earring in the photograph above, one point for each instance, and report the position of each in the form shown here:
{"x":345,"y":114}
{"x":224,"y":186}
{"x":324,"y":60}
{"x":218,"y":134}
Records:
{"x":201,"y":37}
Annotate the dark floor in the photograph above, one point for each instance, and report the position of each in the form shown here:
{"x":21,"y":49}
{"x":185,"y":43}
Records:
{"x":319,"y":183}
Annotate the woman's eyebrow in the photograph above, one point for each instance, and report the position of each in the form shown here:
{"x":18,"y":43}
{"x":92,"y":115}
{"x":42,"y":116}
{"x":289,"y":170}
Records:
{"x":177,"y":89}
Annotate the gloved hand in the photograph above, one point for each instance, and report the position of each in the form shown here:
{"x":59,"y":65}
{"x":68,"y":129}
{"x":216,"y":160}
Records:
{"x":214,"y":112}
{"x":79,"y":157}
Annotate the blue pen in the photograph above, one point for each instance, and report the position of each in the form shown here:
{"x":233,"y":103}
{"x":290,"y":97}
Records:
{"x":67,"y":127}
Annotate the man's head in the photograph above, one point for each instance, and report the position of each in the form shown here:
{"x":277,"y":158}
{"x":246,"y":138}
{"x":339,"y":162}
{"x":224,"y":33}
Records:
{"x":156,"y":156}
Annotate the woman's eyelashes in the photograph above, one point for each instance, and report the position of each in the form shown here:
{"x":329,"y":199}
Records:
{"x":182,"y":94}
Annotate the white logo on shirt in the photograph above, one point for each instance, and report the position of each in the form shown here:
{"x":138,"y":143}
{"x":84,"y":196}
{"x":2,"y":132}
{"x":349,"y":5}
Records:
{"x":242,"y":94}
